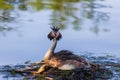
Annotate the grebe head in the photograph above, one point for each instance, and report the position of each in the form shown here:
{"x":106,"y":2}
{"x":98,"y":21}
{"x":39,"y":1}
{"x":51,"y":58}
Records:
{"x":55,"y":33}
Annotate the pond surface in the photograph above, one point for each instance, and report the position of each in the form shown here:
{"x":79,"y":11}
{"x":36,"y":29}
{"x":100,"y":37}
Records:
{"x":88,"y":27}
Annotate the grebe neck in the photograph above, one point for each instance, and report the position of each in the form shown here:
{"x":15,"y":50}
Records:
{"x":50,"y":51}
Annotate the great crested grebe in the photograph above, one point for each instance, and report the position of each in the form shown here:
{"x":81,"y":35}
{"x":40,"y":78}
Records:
{"x":64,"y":59}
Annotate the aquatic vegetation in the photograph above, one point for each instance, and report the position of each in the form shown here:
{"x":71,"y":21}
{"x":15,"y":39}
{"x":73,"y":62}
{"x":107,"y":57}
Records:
{"x":103,"y":68}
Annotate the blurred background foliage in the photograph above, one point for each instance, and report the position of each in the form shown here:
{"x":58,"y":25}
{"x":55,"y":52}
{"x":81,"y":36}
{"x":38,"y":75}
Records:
{"x":62,"y":12}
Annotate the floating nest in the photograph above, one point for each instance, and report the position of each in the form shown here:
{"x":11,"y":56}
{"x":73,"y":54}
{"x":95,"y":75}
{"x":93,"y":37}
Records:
{"x":101,"y":69}
{"x":96,"y":72}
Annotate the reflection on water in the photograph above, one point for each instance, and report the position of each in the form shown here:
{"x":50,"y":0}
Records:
{"x":63,"y":13}
{"x":65,"y":10}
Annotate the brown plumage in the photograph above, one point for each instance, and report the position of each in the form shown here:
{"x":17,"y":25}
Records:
{"x":67,"y":57}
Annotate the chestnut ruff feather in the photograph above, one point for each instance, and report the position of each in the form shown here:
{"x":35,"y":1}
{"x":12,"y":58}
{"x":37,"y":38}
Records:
{"x":55,"y":33}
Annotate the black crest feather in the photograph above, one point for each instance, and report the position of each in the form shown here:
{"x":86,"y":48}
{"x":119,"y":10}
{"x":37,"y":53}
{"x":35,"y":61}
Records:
{"x":55,"y":28}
